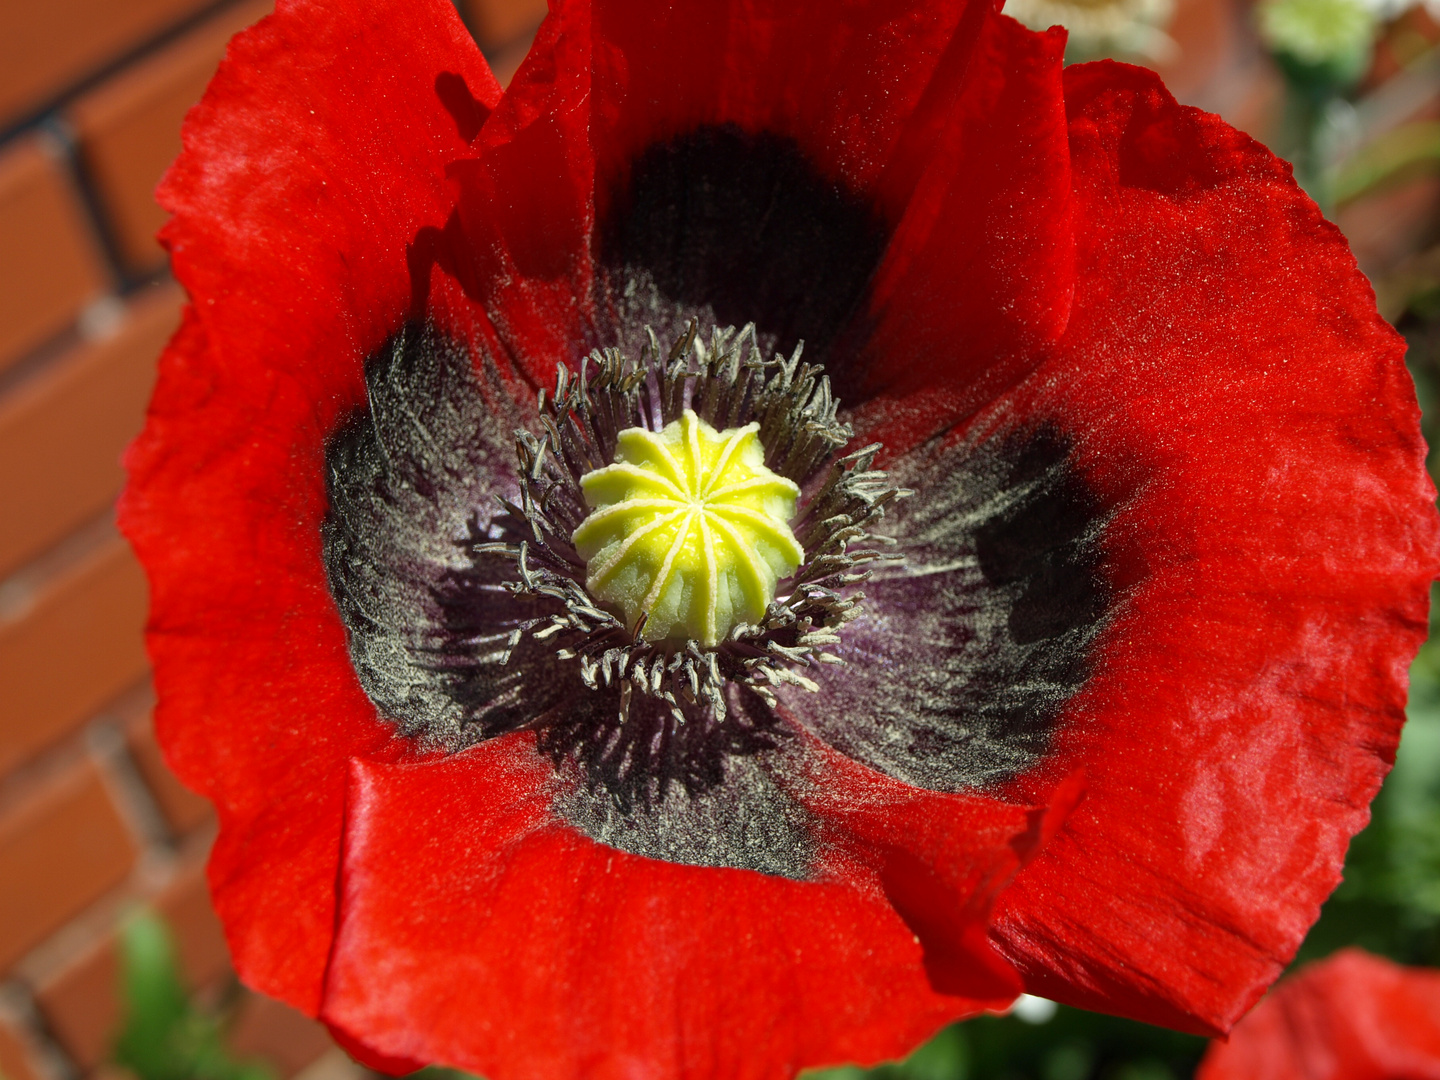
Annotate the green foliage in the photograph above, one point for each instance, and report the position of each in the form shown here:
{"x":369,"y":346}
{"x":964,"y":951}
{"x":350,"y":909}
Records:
{"x":1389,"y":158}
{"x":1323,"y":45}
{"x":164,"y":1036}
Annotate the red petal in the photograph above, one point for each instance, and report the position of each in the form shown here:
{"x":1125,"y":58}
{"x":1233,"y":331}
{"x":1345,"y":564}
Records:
{"x":258,"y":705}
{"x":314,"y":161}
{"x":978,"y":278}
{"x":1351,"y":1017}
{"x":315,"y":158}
{"x":941,"y":859}
{"x":1227,"y":383}
{"x":844,"y":83}
{"x":391,"y":1066}
{"x":881,"y":100}
{"x":948,"y":118}
{"x":478,"y":931}
{"x":526,"y":212}
{"x":603,"y":82}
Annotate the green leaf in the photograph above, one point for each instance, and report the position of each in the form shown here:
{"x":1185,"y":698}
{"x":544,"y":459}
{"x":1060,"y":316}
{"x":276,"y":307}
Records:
{"x":163,"y":1036}
{"x":155,"y":1001}
{"x":1395,"y":155}
{"x":1321,"y":45}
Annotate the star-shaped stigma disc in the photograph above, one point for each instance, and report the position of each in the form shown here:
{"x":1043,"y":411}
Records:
{"x":688,"y":529}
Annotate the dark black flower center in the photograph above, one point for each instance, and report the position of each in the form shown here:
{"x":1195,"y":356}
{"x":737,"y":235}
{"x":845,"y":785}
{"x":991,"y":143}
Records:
{"x":450,"y":552}
{"x":727,"y":384}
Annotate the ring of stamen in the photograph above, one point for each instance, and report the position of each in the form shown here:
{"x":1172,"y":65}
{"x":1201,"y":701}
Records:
{"x":729,"y":388}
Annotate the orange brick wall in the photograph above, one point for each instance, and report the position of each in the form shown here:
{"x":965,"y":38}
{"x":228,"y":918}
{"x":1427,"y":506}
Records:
{"x":92,"y":93}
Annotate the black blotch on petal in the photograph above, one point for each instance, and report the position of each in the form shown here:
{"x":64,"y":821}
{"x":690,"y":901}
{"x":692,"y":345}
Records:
{"x":965,"y":658}
{"x":744,"y":224}
{"x":721,"y":803}
{"x":412,"y":482}
{"x":640,"y":760}
{"x":406,"y":478}
{"x":1043,"y":545}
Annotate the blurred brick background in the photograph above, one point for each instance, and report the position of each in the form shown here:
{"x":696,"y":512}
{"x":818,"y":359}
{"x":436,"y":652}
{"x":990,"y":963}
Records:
{"x":92,"y":93}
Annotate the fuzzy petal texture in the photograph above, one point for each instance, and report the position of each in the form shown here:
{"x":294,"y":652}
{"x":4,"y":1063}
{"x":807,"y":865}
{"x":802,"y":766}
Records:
{"x":1229,"y":387}
{"x":1352,"y":1016}
{"x":580,"y":960}
{"x":322,"y":122}
{"x":1189,"y":557}
{"x":977,"y":280}
{"x":642,"y":149}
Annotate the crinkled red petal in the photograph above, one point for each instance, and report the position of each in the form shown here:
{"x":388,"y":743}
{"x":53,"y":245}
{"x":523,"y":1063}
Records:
{"x":312,"y":164}
{"x":977,"y":281}
{"x":1272,"y":546}
{"x":509,"y":944}
{"x":940,"y":858}
{"x":1352,"y":1016}
{"x":947,"y":118}
{"x":1226,"y":381}
{"x":525,"y":223}
{"x":256,"y":699}
{"x":316,"y":156}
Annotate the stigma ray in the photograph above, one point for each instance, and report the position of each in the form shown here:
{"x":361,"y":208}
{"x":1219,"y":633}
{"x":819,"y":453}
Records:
{"x":644,"y":560}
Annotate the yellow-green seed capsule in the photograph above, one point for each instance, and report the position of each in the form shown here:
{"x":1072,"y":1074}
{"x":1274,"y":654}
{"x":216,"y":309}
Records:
{"x":689,"y":529}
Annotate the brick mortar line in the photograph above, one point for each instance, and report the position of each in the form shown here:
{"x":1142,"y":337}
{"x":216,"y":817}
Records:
{"x":85,"y":329}
{"x":48,"y":121}
{"x":23,"y":587}
{"x":41,"y":358}
{"x":59,"y":133}
{"x":128,"y":790}
{"x":103,"y":917}
{"x":59,"y":138}
{"x":104,"y":737}
{"x":17,"y":1001}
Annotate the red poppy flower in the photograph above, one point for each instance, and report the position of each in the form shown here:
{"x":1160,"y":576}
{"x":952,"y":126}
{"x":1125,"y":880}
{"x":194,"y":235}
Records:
{"x":1352,"y":1016}
{"x":1168,"y":535}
